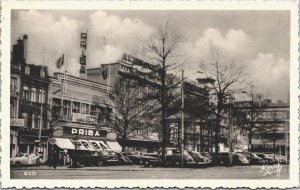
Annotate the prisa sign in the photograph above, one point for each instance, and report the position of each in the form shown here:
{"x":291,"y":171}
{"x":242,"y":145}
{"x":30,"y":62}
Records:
{"x":85,"y":132}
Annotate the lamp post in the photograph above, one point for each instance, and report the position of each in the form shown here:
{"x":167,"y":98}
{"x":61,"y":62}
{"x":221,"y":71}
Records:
{"x":231,"y":100}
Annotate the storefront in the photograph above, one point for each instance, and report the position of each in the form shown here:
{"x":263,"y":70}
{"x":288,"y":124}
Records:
{"x":81,"y":139}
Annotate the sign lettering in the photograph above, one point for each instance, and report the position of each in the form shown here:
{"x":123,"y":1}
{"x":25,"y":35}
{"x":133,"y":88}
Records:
{"x":84,"y":132}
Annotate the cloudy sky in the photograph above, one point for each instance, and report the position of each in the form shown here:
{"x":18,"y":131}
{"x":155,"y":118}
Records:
{"x":256,"y":40}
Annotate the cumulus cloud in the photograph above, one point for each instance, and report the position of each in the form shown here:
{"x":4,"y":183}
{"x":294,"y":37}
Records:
{"x":112,"y":36}
{"x":50,"y":36}
{"x":269,"y":73}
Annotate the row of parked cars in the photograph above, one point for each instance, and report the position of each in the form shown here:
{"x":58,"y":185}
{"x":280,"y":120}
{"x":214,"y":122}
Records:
{"x":173,"y":158}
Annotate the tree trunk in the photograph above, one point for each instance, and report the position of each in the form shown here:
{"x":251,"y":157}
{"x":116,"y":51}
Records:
{"x":201,"y":138}
{"x":163,"y":114}
{"x":217,"y":138}
{"x":194,"y":134}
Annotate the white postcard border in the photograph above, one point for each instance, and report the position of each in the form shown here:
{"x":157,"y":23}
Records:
{"x":144,"y":5}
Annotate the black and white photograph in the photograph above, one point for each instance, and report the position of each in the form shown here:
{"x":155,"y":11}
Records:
{"x":150,"y":94}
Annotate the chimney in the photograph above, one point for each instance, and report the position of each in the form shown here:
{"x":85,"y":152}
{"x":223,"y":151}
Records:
{"x":25,"y":37}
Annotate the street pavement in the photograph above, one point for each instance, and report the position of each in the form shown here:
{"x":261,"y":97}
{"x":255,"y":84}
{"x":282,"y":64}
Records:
{"x":140,"y":172}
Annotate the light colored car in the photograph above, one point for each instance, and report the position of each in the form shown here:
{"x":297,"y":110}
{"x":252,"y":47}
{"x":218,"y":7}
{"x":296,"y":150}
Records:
{"x":24,"y":159}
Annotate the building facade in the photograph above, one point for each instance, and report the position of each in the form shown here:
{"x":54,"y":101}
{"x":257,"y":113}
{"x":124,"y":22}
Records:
{"x":82,"y":107}
{"x":271,"y":126}
{"x":130,"y":71}
{"x":28,"y":106}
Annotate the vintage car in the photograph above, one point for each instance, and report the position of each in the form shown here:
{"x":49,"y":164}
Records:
{"x":123,"y":159}
{"x":135,"y":156}
{"x":267,"y":159}
{"x":172,"y":159}
{"x":199,"y":158}
{"x":25,"y":159}
{"x":239,"y":159}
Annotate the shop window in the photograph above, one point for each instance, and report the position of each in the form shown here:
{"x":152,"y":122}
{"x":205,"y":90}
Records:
{"x":75,"y":107}
{"x":41,"y":95}
{"x":84,"y":108}
{"x":25,"y":93}
{"x":67,"y":109}
{"x":33,"y":95}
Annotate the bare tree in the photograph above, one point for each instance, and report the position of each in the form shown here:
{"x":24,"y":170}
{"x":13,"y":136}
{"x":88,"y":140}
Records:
{"x":227,"y":79}
{"x":132,"y":111}
{"x":248,"y":114}
{"x":161,"y":51}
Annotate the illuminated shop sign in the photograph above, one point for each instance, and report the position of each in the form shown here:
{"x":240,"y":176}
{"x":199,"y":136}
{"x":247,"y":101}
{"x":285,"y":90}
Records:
{"x":84,"y":132}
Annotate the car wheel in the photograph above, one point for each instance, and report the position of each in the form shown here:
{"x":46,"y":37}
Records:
{"x":100,"y":163}
{"x":177,"y":163}
{"x":17,"y":164}
{"x":146,"y":164}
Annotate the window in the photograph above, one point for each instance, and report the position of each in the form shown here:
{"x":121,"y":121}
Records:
{"x":56,"y":106}
{"x":27,"y":70}
{"x":25,"y":93}
{"x":67,"y":109}
{"x":75,"y":107}
{"x":94,"y":110}
{"x":33,"y":121}
{"x":42,"y":73}
{"x":13,"y":109}
{"x":41,"y":95}
{"x":33,"y":95}
{"x":14,"y":84}
{"x":84,"y":108}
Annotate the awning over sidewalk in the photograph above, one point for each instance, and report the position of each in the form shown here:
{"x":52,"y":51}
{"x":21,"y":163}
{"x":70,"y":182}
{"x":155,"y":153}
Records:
{"x":88,"y":145}
{"x":62,"y":143}
{"x":114,"y":146}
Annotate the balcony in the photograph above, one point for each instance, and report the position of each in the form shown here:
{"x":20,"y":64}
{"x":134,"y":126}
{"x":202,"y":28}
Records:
{"x":32,"y":104}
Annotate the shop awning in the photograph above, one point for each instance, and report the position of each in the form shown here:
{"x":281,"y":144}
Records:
{"x":89,"y":145}
{"x":62,"y":143}
{"x":114,"y":146}
{"x":99,"y":145}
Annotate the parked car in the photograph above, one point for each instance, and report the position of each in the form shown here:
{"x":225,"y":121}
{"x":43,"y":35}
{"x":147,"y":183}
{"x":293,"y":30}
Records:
{"x":25,"y":159}
{"x":199,"y":159}
{"x":172,"y":159}
{"x":87,"y":158}
{"x":135,"y":156}
{"x":239,"y":159}
{"x":123,"y":159}
{"x":267,"y":159}
{"x":223,"y":158}
{"x":253,"y":158}
{"x":278,"y":158}
{"x":112,"y":157}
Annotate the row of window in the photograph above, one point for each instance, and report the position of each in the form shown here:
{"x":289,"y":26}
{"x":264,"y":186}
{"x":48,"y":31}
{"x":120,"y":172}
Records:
{"x":28,"y":71}
{"x":33,"y":120}
{"x":33,"y":94}
{"x":69,"y":107}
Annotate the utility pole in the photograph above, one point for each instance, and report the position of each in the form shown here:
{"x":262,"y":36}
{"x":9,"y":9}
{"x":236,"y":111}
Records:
{"x":182,"y":119}
{"x":230,"y":129}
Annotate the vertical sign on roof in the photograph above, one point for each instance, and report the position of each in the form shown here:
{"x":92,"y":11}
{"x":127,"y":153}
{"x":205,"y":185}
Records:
{"x":82,"y":59}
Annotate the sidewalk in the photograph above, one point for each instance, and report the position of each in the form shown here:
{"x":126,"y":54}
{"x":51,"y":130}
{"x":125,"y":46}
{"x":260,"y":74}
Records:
{"x":102,"y":168}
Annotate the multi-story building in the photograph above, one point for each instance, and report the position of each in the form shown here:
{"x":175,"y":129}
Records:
{"x":271,"y":126}
{"x":132,"y":71}
{"x":83,"y":109}
{"x":29,"y":90}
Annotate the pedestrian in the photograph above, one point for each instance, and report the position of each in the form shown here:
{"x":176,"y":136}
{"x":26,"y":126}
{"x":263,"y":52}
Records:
{"x":55,"y":159}
{"x":37,"y":159}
